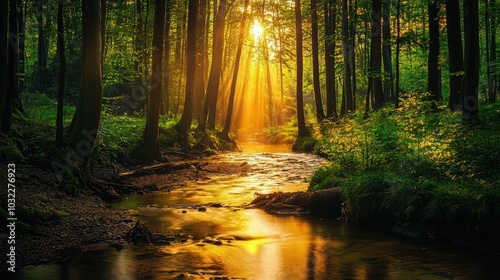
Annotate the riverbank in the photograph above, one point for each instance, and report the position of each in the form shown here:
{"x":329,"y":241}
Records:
{"x":421,"y":170}
{"x":53,"y":225}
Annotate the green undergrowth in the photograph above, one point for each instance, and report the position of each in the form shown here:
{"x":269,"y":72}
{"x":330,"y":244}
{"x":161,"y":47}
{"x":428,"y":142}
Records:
{"x":416,"y":165}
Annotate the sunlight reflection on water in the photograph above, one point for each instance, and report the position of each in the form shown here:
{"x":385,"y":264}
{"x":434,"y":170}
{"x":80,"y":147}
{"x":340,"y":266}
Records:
{"x":258,"y":245}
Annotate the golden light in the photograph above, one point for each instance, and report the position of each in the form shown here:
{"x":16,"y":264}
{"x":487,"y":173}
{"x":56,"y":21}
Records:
{"x":257,"y":30}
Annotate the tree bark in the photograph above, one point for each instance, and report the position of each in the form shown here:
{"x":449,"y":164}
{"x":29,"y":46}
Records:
{"x":433,"y":72}
{"x":241,"y":38}
{"x":88,"y":111}
{"x":151,"y":133}
{"x":62,"y":76}
{"x":375,"y":56}
{"x":314,"y":37}
{"x":184,"y":123}
{"x":386,"y":50}
{"x":216,"y":67}
{"x":331,"y":96}
{"x":471,"y":25}
{"x":455,"y":52}
{"x":43,"y":48}
{"x":4,"y":99}
{"x":347,"y":88}
{"x":301,"y":123}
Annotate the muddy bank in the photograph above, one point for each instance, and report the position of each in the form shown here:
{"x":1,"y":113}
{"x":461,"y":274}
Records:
{"x":85,"y":221}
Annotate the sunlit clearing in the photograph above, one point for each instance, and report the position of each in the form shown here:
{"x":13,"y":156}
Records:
{"x":257,"y":30}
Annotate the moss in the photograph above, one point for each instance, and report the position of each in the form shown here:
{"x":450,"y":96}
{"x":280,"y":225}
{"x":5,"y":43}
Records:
{"x":306,"y":144}
{"x":9,"y":152}
{"x":31,"y":214}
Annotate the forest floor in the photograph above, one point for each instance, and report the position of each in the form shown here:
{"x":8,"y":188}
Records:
{"x":69,"y":224}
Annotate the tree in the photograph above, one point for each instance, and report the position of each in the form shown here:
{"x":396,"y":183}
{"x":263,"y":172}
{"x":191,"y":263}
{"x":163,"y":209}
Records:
{"x":151,"y":133}
{"x":331,"y":96}
{"x":433,"y":72}
{"x":184,"y":123}
{"x":375,"y":55}
{"x":5,"y":127}
{"x":165,"y":100}
{"x":301,"y":123}
{"x":317,"y":89}
{"x":386,"y":51}
{"x":347,"y":96}
{"x":88,"y":112}
{"x":43,"y":47}
{"x":216,"y":67}
{"x":241,"y":39}
{"x":62,"y":75}
{"x":471,"y":26}
{"x":455,"y":52}
{"x":398,"y":48}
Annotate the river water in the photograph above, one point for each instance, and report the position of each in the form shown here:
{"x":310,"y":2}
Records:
{"x":258,"y":245}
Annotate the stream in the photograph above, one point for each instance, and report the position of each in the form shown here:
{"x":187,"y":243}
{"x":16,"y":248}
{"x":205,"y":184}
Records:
{"x":259,"y":245}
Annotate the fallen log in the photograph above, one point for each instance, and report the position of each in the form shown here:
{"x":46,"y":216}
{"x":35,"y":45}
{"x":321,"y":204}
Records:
{"x":326,"y":203}
{"x":162,"y":168}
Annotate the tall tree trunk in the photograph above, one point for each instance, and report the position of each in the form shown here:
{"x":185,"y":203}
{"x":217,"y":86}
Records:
{"x":398,"y":48}
{"x":22,"y":30}
{"x":151,"y":133}
{"x":62,"y":76}
{"x":301,"y":123}
{"x":103,"y":30}
{"x":42,"y":51}
{"x":331,"y":96}
{"x":433,"y":72}
{"x":199,"y":91}
{"x":455,"y":52}
{"x":184,"y":123}
{"x":386,"y":50}
{"x":165,"y":97}
{"x":352,"y":55}
{"x":216,"y":67}
{"x":376,"y":55}
{"x":347,"y":89}
{"x":88,"y":111}
{"x":12,"y":72}
{"x":241,"y":39}
{"x":471,"y":23}
{"x":314,"y":37}
{"x":5,"y":104}
{"x":139,"y":41}
{"x":493,"y":49}
{"x":489,"y":50}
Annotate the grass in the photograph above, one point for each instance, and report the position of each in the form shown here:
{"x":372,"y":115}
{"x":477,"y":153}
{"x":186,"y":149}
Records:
{"x":416,"y":165}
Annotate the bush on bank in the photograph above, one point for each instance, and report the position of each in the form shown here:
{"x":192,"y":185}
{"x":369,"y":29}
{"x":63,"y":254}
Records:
{"x":416,"y":165}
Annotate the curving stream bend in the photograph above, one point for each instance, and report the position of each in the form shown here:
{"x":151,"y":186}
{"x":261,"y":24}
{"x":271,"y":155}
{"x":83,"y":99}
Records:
{"x":258,"y":245}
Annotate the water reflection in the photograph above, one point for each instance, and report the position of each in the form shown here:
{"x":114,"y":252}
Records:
{"x":258,"y":245}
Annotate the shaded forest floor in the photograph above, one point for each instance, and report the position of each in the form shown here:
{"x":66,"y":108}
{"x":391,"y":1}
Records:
{"x":52,"y":224}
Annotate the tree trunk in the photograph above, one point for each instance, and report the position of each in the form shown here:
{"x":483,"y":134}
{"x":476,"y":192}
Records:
{"x":241,"y":38}
{"x":165,"y":100}
{"x":375,"y":55}
{"x":22,"y":36}
{"x":62,"y":76}
{"x":42,"y":51}
{"x":455,"y":52}
{"x":184,"y":123}
{"x":216,"y":67}
{"x":12,"y":72}
{"x":199,"y":91}
{"x":433,"y":74}
{"x":314,"y":37}
{"x":493,"y":50}
{"x":331,"y":96}
{"x":398,"y":48}
{"x":347,"y":89}
{"x":88,"y":111}
{"x":301,"y":123}
{"x":5,"y":105}
{"x":471,"y":23}
{"x":151,"y":133}
{"x":386,"y":49}
{"x":489,"y":50}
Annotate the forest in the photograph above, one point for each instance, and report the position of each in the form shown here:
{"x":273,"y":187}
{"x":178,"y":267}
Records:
{"x":398,"y":97}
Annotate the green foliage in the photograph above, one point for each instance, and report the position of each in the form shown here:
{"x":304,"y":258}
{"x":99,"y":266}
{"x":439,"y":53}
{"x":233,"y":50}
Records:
{"x":35,"y":214}
{"x":415,"y":164}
